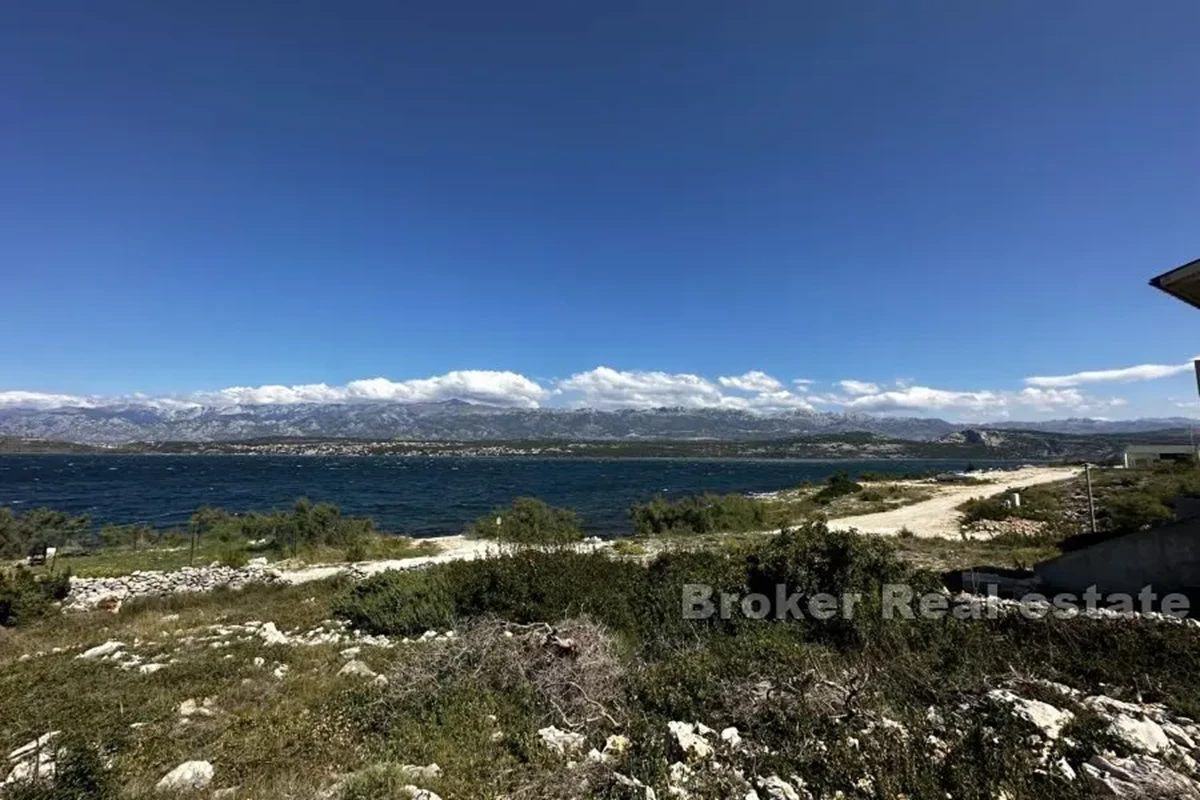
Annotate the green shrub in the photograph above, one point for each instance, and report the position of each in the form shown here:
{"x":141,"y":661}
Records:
{"x":1136,"y":510}
{"x":707,"y":513}
{"x":628,"y":547}
{"x":837,"y":485}
{"x":39,"y":527}
{"x":307,"y":526}
{"x":996,"y":507}
{"x":401,"y":603}
{"x":234,"y":555}
{"x":529,"y":521}
{"x":25,"y":597}
{"x":133,"y":537}
{"x":529,"y":586}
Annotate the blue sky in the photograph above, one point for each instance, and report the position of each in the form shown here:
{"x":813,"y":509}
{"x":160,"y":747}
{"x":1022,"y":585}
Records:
{"x":936,"y":196}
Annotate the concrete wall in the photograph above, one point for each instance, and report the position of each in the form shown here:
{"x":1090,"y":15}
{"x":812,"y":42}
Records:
{"x":1144,"y":455}
{"x":1166,"y":558}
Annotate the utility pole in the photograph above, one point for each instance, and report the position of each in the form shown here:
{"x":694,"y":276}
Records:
{"x":1087,"y":472}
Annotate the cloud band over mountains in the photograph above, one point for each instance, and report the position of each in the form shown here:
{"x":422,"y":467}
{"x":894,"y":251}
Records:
{"x":607,"y":388}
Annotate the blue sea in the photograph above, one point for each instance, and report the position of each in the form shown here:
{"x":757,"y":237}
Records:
{"x":415,"y":496}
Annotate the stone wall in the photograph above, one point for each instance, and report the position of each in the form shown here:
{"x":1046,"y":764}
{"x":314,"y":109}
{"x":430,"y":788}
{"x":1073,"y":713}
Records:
{"x":109,"y":593}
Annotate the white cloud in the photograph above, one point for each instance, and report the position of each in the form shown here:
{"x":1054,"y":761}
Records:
{"x":752,"y":381}
{"x":1140,"y":372}
{"x":608,"y":388}
{"x":782,"y":400}
{"x":979,"y":403}
{"x":605,"y":387}
{"x":924,"y":398}
{"x":858,"y":387}
{"x":43,"y":400}
{"x":480,"y":386}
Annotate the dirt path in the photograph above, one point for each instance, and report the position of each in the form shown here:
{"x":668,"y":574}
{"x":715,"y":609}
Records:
{"x":450,"y":548}
{"x":937,"y":516}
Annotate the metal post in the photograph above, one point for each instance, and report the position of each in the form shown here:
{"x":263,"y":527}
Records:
{"x":1087,"y":472}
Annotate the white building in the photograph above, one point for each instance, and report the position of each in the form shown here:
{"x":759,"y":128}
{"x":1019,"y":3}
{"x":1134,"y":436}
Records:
{"x":1142,"y":455}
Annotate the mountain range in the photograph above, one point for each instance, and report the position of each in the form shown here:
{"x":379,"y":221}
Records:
{"x":455,"y":420}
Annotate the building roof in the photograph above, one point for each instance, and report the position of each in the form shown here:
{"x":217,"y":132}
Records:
{"x":1148,"y":449}
{"x":1182,"y":282}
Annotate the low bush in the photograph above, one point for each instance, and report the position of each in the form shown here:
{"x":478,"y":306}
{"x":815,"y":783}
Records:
{"x":134,"y":537}
{"x":39,"y":527}
{"x":642,"y":602}
{"x":628,"y":547}
{"x":307,"y":526}
{"x":698,"y":514}
{"x":529,"y":521}
{"x":837,"y":485}
{"x":528,"y":586}
{"x":1136,"y":510}
{"x":25,"y":597}
{"x":994,"y":508}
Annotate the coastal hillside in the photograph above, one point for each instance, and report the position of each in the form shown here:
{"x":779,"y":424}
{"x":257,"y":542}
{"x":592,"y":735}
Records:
{"x":968,"y":444}
{"x":470,"y":422}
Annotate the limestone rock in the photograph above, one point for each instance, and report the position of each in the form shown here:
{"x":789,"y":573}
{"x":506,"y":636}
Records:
{"x":271,"y":635}
{"x":101,"y":650}
{"x":1138,"y":776}
{"x":414,"y":772}
{"x":37,"y":744}
{"x":358,"y":669}
{"x":1140,"y":734}
{"x":416,"y":793}
{"x":188,"y":776}
{"x":562,"y":742}
{"x":689,"y":738}
{"x":1048,"y":719}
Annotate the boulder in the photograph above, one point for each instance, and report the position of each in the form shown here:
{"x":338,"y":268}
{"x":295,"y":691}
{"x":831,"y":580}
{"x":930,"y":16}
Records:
{"x":562,"y":742}
{"x":188,"y":776}
{"x":271,"y":635}
{"x":1140,"y":734}
{"x":358,"y":669}
{"x":690,"y":739}
{"x":414,"y":772}
{"x":1048,"y":719}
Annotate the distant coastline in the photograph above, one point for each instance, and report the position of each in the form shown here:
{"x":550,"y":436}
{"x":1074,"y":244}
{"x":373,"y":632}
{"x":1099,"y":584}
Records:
{"x":1032,"y":446}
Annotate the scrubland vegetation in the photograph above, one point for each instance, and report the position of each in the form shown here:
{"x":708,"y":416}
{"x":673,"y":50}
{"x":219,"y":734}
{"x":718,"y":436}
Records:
{"x":529,"y":520}
{"x":308,"y":532}
{"x":592,"y":645}
{"x":1125,"y":500}
{"x":838,"y":495}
